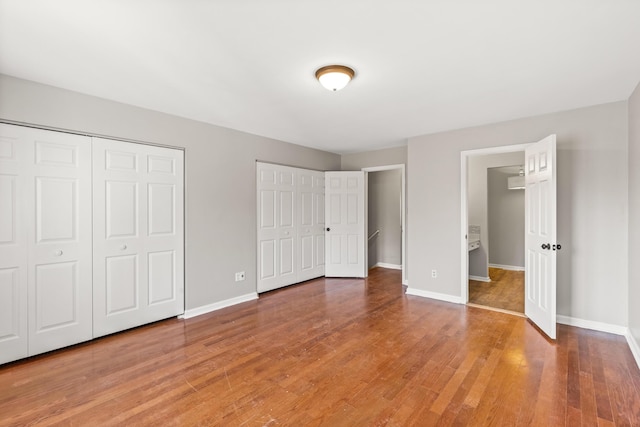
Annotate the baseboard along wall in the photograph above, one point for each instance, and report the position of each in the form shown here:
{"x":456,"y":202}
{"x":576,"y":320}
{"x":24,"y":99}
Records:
{"x":507,"y":267}
{"x":218,"y":305}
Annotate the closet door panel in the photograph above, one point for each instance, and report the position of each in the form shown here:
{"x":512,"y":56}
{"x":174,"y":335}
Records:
{"x":277,"y":217}
{"x":310,"y":224}
{"x":13,"y":244}
{"x":59,"y":250}
{"x":138,"y":235}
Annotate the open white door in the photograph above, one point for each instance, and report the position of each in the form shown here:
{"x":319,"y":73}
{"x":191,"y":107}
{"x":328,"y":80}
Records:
{"x":540,"y":234}
{"x":345,"y":224}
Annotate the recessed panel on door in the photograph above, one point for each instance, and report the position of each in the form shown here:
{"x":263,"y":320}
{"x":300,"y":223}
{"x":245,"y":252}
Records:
{"x":9,"y":304}
{"x":306,"y":206}
{"x":286,"y":256}
{"x":48,"y":153}
{"x":56,"y":295}
{"x":268,"y":209}
{"x":162,"y":284}
{"x":319,"y":252}
{"x":121,"y":209}
{"x":267,"y":259}
{"x":122,"y":283}
{"x":120,"y":161}
{"x":56,"y":207}
{"x":286,"y":209}
{"x":306,"y":252}
{"x":161,"y":209}
{"x":8,"y":200}
{"x":159,"y":164}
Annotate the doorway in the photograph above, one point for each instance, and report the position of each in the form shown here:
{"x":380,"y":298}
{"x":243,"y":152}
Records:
{"x":386,"y":217}
{"x":487,"y":273}
{"x":505,"y":234}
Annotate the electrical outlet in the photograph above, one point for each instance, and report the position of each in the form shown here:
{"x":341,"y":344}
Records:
{"x":434,"y":274}
{"x":240,"y":276}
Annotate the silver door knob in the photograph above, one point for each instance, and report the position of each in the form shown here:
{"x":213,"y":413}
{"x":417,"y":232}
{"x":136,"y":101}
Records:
{"x":59,"y":252}
{"x":123,"y":247}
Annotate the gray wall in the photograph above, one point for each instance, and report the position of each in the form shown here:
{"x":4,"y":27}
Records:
{"x":634,"y":214}
{"x":385,"y":215}
{"x":367,"y":159}
{"x":477,"y":209}
{"x":506,"y":219}
{"x":220,"y":175}
{"x":592,"y":206}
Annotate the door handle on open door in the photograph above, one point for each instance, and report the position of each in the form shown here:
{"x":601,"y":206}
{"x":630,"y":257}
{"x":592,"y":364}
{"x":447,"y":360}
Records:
{"x":328,"y":229}
{"x":558,"y":247}
{"x":546,"y":246}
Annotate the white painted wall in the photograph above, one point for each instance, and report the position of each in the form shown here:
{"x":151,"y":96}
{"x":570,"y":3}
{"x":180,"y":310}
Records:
{"x":506,"y":219}
{"x":477,"y":196}
{"x":592,"y":206}
{"x":634,"y":217}
{"x":220,"y":175}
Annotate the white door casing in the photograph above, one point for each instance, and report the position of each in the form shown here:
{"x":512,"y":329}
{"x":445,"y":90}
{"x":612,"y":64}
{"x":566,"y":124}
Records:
{"x":345,"y":243}
{"x":540,"y":234}
{"x":13,"y":244}
{"x":138,"y":233}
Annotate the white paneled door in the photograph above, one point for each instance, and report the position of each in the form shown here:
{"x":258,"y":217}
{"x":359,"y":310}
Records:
{"x":290,"y":214}
{"x":345,"y":203}
{"x":276,"y":226}
{"x":540,"y":237}
{"x":310,"y":242}
{"x":45,"y":226}
{"x":13,"y":244}
{"x":138,"y":235}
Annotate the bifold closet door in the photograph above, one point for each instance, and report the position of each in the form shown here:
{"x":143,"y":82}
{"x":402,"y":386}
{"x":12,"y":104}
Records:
{"x":276,"y":226}
{"x":14,"y":338}
{"x":45,"y":225}
{"x":311,"y":225}
{"x":138,"y":237}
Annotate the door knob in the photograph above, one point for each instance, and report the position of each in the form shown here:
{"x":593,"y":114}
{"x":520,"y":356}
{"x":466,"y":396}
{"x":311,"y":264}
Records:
{"x":59,"y":252}
{"x":546,"y":246}
{"x":558,"y":247}
{"x":328,"y":229}
{"x":123,"y":247}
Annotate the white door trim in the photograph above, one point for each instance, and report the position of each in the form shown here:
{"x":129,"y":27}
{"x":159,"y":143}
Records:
{"x":464,"y":211}
{"x":403,"y":199}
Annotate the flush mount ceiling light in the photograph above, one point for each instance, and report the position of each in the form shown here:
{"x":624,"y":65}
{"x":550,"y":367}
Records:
{"x":334,"y":77}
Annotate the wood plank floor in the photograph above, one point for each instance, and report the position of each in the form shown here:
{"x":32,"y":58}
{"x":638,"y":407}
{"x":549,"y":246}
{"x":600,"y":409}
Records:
{"x":331,"y":352}
{"x":505,"y":291}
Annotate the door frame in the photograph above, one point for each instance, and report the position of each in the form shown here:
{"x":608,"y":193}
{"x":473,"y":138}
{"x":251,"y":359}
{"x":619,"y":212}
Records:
{"x":464,"y":209}
{"x":403,"y":199}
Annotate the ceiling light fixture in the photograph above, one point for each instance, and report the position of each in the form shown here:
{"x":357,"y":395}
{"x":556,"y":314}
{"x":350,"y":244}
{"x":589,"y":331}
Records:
{"x":334,"y":77}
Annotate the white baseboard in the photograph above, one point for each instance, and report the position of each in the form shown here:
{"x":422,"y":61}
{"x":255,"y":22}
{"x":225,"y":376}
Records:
{"x":480,"y":279}
{"x":590,"y":324}
{"x":507,"y":267}
{"x":434,"y":295}
{"x":387,"y":265}
{"x":406,"y":282}
{"x":633,"y":345}
{"x":218,"y":305}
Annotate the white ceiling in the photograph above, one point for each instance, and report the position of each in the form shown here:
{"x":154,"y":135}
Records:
{"x":422,"y":66}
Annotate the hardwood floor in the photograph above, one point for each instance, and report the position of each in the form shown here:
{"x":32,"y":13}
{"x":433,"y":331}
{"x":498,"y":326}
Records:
{"x":331,"y":352}
{"x":505,"y":291}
